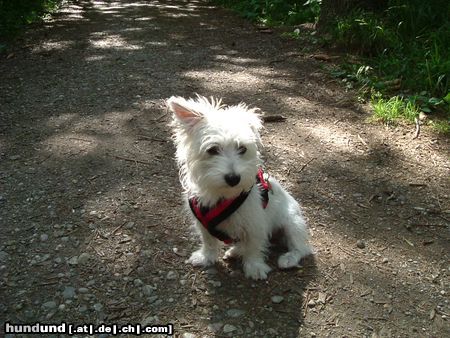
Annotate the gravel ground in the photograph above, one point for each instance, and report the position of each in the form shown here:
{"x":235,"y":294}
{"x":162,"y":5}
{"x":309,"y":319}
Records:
{"x":92,"y":226}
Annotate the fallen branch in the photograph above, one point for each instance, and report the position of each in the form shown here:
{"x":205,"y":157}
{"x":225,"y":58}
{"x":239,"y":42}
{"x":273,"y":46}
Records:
{"x":131,"y":160}
{"x":273,"y":118}
{"x":143,"y":137}
{"x":416,"y":134}
{"x":304,"y":166}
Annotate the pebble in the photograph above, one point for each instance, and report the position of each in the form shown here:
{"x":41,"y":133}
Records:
{"x":147,"y":290}
{"x":43,"y":238}
{"x":73,"y":260}
{"x":272,"y":332}
{"x":83,"y":290}
{"x":385,"y":260}
{"x":152,"y":299}
{"x":150,"y":320}
{"x":277,"y":299}
{"x":312,"y":303}
{"x":188,"y":335}
{"x":215,"y":327}
{"x":138,"y":282}
{"x":228,"y":328}
{"x":234,"y":313}
{"x":360,"y":244}
{"x":211,"y":271}
{"x":83,"y":258}
{"x":98,"y":307}
{"x":129,"y":225}
{"x":69,"y":292}
{"x":171,"y":275}
{"x":4,"y":256}
{"x":49,"y":305}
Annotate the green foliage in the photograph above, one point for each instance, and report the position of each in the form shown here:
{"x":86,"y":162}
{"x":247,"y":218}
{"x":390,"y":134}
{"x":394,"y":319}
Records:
{"x":15,"y":14}
{"x":275,"y":12}
{"x":395,"y":108}
{"x":409,"y":41}
{"x":362,"y":31}
{"x":405,"y":49}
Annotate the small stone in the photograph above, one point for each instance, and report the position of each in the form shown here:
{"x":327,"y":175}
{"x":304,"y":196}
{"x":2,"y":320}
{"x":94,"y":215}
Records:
{"x":49,"y":305}
{"x":216,"y":284}
{"x":150,"y":320}
{"x":152,"y":299}
{"x":215,"y":327}
{"x":171,"y":275}
{"x":312,"y":303}
{"x":228,"y":328}
{"x":98,"y":307}
{"x":211,"y":271}
{"x":234,"y":313}
{"x":385,"y":260}
{"x":43,"y":238}
{"x":129,"y":225}
{"x":82,"y":308}
{"x":83,"y":258}
{"x":83,"y":290}
{"x":73,"y":260}
{"x":4,"y":256}
{"x":188,"y":335}
{"x":277,"y":299}
{"x":138,"y":282}
{"x":69,"y":292}
{"x":147,"y":290}
{"x":360,"y":244}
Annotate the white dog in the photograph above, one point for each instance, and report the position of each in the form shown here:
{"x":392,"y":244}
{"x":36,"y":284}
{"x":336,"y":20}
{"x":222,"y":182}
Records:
{"x":231,"y":199}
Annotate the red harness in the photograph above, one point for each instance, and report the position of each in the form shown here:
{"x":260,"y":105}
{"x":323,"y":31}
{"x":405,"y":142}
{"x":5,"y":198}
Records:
{"x":211,"y":217}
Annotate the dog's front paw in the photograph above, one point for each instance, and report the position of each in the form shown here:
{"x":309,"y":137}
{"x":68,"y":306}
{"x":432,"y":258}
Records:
{"x":202,"y":258}
{"x":256,"y":270}
{"x":288,"y":260}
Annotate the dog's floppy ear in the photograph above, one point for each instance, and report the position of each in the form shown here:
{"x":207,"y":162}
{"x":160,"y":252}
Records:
{"x":183,"y":111}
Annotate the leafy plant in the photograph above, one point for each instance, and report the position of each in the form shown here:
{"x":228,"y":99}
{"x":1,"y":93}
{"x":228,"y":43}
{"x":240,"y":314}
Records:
{"x":395,"y":108}
{"x":14,"y":15}
{"x":275,"y":12}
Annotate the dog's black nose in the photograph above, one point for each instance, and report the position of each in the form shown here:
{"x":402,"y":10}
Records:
{"x":232,"y":179}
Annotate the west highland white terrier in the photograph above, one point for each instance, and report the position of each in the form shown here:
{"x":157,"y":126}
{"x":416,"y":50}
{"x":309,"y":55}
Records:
{"x":227,"y":193}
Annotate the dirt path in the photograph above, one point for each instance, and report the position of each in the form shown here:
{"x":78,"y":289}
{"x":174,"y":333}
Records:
{"x":91,"y":223}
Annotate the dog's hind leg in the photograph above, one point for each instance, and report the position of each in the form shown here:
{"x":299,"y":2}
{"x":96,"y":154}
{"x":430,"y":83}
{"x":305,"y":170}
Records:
{"x":296,"y":240}
{"x":209,"y":252}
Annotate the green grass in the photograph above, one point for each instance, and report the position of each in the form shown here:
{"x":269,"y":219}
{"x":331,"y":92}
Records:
{"x":403,"y":53}
{"x":393,"y":109}
{"x":441,"y":126}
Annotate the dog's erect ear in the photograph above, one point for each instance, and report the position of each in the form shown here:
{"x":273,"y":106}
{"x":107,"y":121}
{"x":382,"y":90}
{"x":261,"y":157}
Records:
{"x":183,"y":111}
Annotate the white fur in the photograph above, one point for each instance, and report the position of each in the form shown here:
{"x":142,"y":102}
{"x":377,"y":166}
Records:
{"x":199,"y":125}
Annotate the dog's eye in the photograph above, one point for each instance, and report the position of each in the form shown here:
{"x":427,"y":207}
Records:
{"x":213,"y":150}
{"x":242,"y":150}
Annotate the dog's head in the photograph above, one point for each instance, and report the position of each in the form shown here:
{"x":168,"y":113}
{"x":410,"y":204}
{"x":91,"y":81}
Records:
{"x":217,"y":146}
